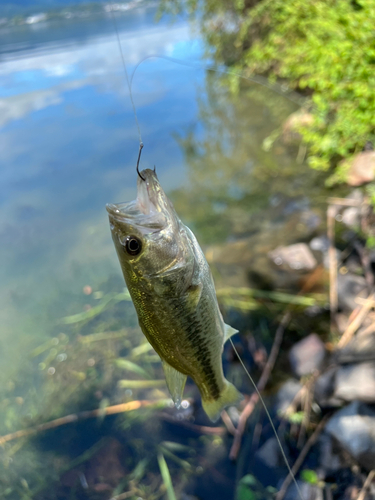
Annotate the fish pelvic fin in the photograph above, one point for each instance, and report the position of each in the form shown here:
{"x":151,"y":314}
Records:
{"x":175,"y":383}
{"x":228,"y":332}
{"x":228,"y":396}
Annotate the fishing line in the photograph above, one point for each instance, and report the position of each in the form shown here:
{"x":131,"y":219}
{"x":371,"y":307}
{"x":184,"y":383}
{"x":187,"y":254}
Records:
{"x":259,"y":80}
{"x":128,"y":82}
{"x":269,"y":418}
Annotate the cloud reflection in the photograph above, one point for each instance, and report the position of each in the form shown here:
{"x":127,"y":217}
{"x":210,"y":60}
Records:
{"x":38,"y":79}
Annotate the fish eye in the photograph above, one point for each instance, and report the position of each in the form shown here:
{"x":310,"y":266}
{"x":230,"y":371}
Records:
{"x":133,"y":245}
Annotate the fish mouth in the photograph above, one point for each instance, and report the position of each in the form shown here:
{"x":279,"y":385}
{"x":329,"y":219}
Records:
{"x":145,"y":211}
{"x":123,"y":211}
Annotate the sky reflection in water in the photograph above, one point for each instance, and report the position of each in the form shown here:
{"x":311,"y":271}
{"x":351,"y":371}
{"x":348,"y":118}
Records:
{"x":68,"y":145}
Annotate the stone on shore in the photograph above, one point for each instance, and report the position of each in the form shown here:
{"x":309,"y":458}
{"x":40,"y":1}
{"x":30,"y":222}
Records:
{"x":308,"y":491}
{"x":324,"y":389}
{"x":349,"y":288}
{"x":270,"y":453}
{"x":286,"y":394}
{"x":356,"y":382}
{"x":360,"y":349}
{"x":297,"y":257}
{"x":307,"y":355}
{"x":354,"y":428}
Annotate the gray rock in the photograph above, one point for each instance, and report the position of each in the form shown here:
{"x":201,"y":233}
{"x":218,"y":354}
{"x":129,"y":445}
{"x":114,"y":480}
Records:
{"x":309,"y":492}
{"x":307,"y":355}
{"x":360,"y":348}
{"x":341,"y":322}
{"x":286,"y":394}
{"x":319,"y":244}
{"x":354,"y":428}
{"x":270,"y":453}
{"x":297,"y":257}
{"x":356,"y":195}
{"x":329,"y":452}
{"x":351,"y":216}
{"x":356,"y":382}
{"x":324,"y":389}
{"x":326,"y":258}
{"x":349,"y":287}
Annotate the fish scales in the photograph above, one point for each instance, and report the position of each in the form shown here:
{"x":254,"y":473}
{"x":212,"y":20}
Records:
{"x":173,"y":292}
{"x":192,"y":355}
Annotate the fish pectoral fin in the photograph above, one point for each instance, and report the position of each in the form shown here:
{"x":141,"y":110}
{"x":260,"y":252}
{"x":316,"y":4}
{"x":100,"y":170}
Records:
{"x":228,"y":332}
{"x":194,"y":294}
{"x":175,"y":382}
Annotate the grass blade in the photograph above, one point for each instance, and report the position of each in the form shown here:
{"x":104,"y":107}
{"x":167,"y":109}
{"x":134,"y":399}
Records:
{"x":94,"y":311}
{"x":129,"y":366}
{"x":166,"y":477}
{"x":141,"y":384}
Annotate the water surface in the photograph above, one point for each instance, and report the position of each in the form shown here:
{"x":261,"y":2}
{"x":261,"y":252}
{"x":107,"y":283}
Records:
{"x":68,"y":145}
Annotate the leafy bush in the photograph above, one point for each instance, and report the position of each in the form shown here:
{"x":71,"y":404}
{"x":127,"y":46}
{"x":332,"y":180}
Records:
{"x":324,"y":48}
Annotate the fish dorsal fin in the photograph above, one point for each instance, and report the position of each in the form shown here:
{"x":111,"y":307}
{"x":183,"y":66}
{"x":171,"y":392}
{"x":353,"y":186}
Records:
{"x":175,"y":382}
{"x":228,"y":332}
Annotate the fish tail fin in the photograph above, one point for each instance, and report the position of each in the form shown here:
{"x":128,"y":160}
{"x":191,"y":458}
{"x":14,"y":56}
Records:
{"x":228,"y":396}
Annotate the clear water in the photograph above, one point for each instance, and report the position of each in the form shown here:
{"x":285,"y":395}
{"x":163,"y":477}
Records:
{"x":68,"y":145}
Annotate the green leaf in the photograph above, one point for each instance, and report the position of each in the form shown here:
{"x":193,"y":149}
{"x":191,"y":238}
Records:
{"x":249,"y":480}
{"x":243,"y":493}
{"x":297,"y":417}
{"x":309,"y":476}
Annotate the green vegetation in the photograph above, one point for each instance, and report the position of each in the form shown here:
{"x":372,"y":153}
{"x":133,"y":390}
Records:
{"x":249,"y":488}
{"x":322,"y":48}
{"x":97,"y":363}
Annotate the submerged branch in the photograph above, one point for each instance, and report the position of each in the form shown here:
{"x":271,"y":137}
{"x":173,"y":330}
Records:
{"x":297,"y":464}
{"x":75,"y":417}
{"x":200,"y":429}
{"x":250,"y":405}
{"x":254,"y":398}
{"x":357,"y":321}
{"x":366,"y":485}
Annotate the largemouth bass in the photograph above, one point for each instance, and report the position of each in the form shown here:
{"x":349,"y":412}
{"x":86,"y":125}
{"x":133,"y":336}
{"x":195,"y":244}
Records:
{"x":172,"y":289}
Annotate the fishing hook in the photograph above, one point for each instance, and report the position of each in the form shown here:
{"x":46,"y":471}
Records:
{"x":139,"y":157}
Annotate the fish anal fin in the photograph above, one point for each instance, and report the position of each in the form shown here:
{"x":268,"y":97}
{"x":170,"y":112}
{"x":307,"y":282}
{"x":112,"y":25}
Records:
{"x":175,"y":382}
{"x":229,"y":396}
{"x":228,"y":332}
